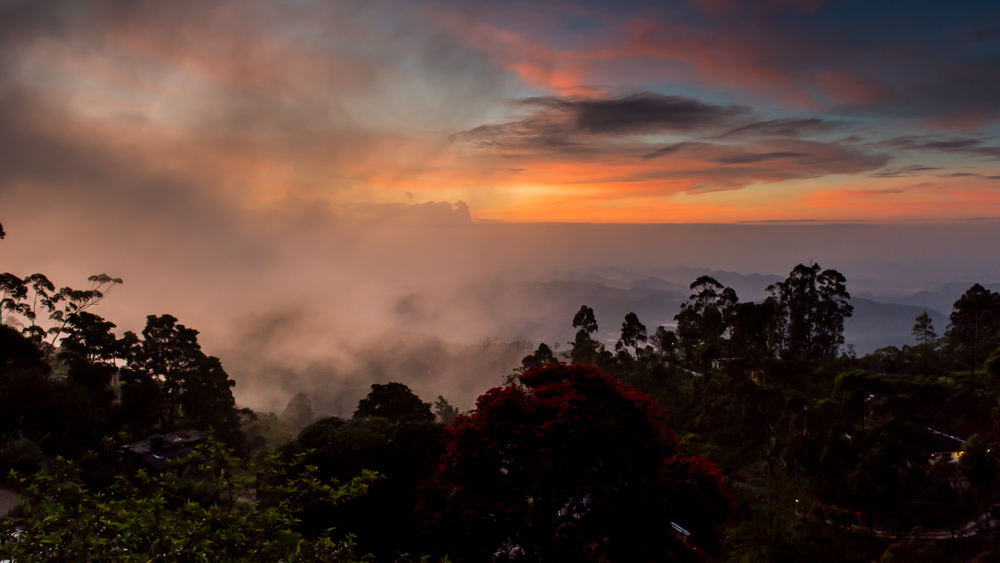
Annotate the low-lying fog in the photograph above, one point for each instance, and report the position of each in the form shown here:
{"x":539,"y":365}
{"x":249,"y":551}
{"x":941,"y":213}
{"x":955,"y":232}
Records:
{"x":317,"y":299}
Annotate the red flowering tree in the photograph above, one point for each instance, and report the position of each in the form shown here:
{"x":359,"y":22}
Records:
{"x":570,"y":465}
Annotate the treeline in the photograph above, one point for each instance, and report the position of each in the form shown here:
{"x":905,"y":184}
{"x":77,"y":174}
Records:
{"x":840,"y":457}
{"x":394,"y":479}
{"x":69,"y":381}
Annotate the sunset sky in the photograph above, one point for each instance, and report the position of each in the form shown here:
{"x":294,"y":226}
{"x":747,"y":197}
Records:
{"x":293,"y":178}
{"x":684,"y":111}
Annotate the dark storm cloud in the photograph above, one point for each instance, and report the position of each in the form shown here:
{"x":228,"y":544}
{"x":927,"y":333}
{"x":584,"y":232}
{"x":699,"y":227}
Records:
{"x":566,"y":124}
{"x":642,"y":112}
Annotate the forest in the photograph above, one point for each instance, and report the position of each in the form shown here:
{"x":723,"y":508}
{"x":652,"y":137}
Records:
{"x":747,"y":432}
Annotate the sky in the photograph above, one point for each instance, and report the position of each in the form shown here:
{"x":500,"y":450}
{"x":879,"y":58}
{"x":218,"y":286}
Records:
{"x":327,"y":164}
{"x":684,"y":111}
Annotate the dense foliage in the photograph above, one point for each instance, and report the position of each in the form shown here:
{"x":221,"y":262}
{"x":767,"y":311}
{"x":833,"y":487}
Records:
{"x":218,"y":514}
{"x":784,"y":446}
{"x":571,"y":465}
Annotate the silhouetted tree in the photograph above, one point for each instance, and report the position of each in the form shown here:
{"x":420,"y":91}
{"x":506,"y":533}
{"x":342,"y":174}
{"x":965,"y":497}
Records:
{"x":813,"y":305}
{"x":543,"y":355}
{"x":570,"y":466}
{"x":40,"y":296}
{"x":585,"y":320}
{"x":633,"y":334}
{"x":751,"y":326}
{"x":586,"y":350}
{"x":298,"y":413}
{"x":405,"y":454}
{"x":12,"y":291}
{"x":923,"y":331}
{"x":92,"y":352}
{"x":168,"y":370}
{"x":395,"y":402}
{"x":974,"y":323}
{"x":664,"y":340}
{"x":69,"y":301}
{"x":701,"y":322}
{"x":444,"y":412}
{"x":56,"y":413}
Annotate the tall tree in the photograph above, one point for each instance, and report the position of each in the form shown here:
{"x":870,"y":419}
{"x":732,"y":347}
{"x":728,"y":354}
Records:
{"x":633,"y":334}
{"x":395,"y":402}
{"x":93,"y":352}
{"x":750,"y":328}
{"x":585,"y":320}
{"x":664,"y":340}
{"x":975,"y":320}
{"x":923,"y":331}
{"x":41,"y":297}
{"x":585,"y":349}
{"x":701,"y":322}
{"x":169,"y":370}
{"x":444,"y":412}
{"x":543,"y":355}
{"x":12,"y":291}
{"x":813,"y":304}
{"x":571,"y":466}
{"x":75,"y":301}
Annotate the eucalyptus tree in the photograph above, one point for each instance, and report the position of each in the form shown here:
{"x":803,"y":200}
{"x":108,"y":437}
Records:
{"x":701,"y":322}
{"x":813,"y":304}
{"x":633,"y":334}
{"x":167,"y":370}
{"x":975,"y":321}
{"x":923,"y":331}
{"x":585,"y":349}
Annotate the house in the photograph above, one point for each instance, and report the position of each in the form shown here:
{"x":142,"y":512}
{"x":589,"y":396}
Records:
{"x":155,"y":453}
{"x":947,"y":448}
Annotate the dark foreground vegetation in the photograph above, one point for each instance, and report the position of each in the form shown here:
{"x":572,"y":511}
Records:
{"x":745,"y":434}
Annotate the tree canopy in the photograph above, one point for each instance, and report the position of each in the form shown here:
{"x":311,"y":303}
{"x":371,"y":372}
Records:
{"x":395,"y":402}
{"x":569,"y":464}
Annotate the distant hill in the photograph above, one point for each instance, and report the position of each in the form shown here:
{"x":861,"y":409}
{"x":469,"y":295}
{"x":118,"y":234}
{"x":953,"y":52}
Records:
{"x":876,"y":325}
{"x":542,"y":311}
{"x":942,"y":299}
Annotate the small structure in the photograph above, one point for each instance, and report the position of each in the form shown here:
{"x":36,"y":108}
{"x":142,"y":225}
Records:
{"x":155,"y":452}
{"x":948,"y":448}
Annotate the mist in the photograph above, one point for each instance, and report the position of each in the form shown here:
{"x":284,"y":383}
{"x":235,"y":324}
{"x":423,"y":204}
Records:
{"x":308,"y":297}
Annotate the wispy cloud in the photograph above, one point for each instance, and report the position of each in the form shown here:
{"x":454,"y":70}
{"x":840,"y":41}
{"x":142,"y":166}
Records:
{"x":978,"y":146}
